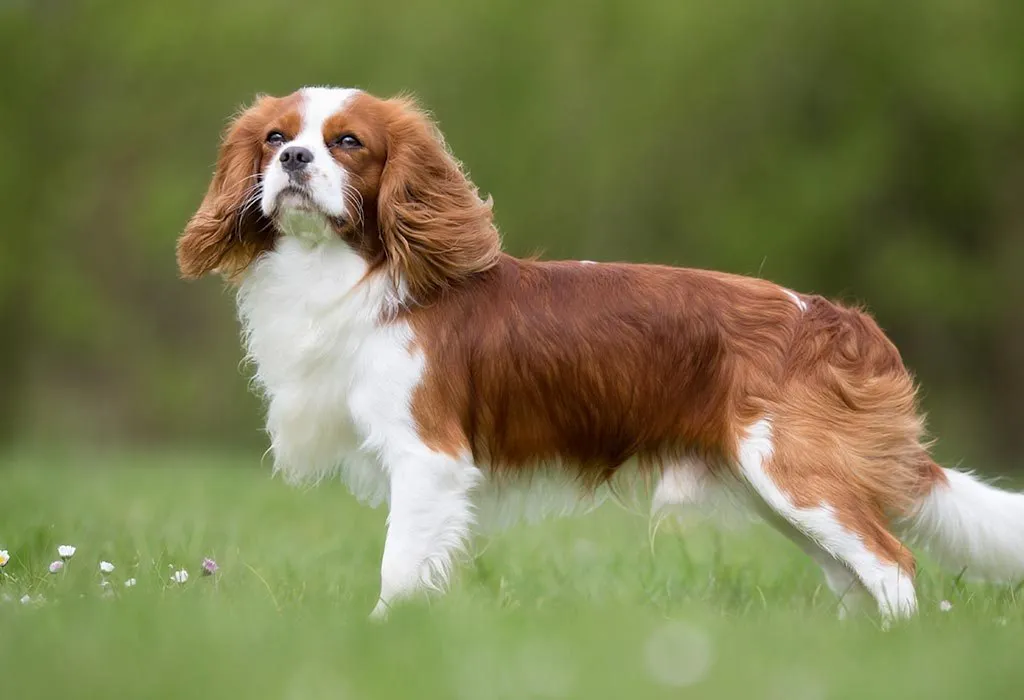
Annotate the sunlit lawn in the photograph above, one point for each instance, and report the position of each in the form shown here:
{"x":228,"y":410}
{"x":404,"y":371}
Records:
{"x":582,"y":608}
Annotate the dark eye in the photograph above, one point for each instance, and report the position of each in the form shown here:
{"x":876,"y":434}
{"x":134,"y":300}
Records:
{"x":347,"y":141}
{"x":275,"y":138}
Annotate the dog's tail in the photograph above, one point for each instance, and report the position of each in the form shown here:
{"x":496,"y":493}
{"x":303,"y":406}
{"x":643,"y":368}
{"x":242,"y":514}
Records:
{"x":967,"y":524}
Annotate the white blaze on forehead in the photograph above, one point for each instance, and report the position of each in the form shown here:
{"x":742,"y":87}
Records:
{"x":319,"y":104}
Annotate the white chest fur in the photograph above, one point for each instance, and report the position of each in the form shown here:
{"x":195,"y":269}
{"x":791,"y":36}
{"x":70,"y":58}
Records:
{"x":336,"y":374}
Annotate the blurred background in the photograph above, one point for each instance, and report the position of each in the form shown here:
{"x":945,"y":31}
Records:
{"x":867,"y":150}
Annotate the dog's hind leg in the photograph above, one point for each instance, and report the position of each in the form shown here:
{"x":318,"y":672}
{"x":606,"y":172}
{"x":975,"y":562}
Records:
{"x":853,"y":533}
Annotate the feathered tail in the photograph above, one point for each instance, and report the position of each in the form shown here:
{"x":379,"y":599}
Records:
{"x":965,"y":523}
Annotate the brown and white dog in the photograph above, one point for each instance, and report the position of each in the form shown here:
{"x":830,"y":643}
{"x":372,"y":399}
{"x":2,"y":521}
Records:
{"x":396,"y":344}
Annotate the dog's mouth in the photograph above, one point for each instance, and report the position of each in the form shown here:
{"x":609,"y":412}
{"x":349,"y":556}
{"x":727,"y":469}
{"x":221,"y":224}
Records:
{"x":295,"y":197}
{"x":296,"y":212}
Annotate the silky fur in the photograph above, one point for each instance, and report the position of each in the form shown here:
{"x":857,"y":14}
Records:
{"x":397,"y":344}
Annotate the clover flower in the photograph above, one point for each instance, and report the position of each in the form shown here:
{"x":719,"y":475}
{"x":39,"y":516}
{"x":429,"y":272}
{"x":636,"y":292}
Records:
{"x":180,"y":576}
{"x":945,"y":606}
{"x":66,"y":551}
{"x":56,"y":566}
{"x":209,"y":567}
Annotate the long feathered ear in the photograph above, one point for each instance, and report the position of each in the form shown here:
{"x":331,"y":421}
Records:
{"x":229,"y":230}
{"x":435,"y":228}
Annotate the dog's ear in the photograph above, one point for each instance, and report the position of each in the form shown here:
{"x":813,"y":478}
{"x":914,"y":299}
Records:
{"x":229,"y":230}
{"x":435,"y":228}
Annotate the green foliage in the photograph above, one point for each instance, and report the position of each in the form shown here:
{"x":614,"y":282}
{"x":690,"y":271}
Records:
{"x":868,"y":150}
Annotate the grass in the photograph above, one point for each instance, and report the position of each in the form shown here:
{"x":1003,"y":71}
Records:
{"x":579,"y":608}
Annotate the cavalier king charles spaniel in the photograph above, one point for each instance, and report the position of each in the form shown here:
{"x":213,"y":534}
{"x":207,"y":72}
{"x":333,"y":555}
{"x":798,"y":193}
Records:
{"x":398,"y":346}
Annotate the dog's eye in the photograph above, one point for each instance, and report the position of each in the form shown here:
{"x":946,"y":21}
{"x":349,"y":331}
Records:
{"x":275,"y":138}
{"x":347,"y":141}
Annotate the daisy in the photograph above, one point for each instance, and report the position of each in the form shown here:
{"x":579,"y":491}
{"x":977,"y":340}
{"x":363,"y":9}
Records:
{"x":4,"y":558}
{"x":66,"y":551}
{"x":180,"y":576}
{"x":106,"y":567}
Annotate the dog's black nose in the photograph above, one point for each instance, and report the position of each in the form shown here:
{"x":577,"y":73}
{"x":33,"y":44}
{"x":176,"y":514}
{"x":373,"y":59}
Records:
{"x":295,"y":158}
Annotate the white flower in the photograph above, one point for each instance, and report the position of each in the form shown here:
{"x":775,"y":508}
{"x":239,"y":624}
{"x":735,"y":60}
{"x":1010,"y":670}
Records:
{"x":4,"y":557}
{"x":180,"y":576}
{"x":106,"y":567}
{"x":104,"y":583}
{"x":945,"y":606}
{"x":56,"y":566}
{"x":129,"y":583}
{"x":26,"y":599}
{"x":66,"y":551}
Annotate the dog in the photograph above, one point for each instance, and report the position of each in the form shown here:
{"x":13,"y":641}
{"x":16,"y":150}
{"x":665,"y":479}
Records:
{"x":398,"y":346}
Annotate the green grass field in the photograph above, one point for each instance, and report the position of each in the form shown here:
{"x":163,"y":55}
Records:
{"x":578,"y":608}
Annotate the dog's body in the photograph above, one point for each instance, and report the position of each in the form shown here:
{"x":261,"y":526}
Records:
{"x":398,"y":345}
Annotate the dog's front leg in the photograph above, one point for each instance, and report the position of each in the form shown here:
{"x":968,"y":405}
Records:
{"x":429,"y":520}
